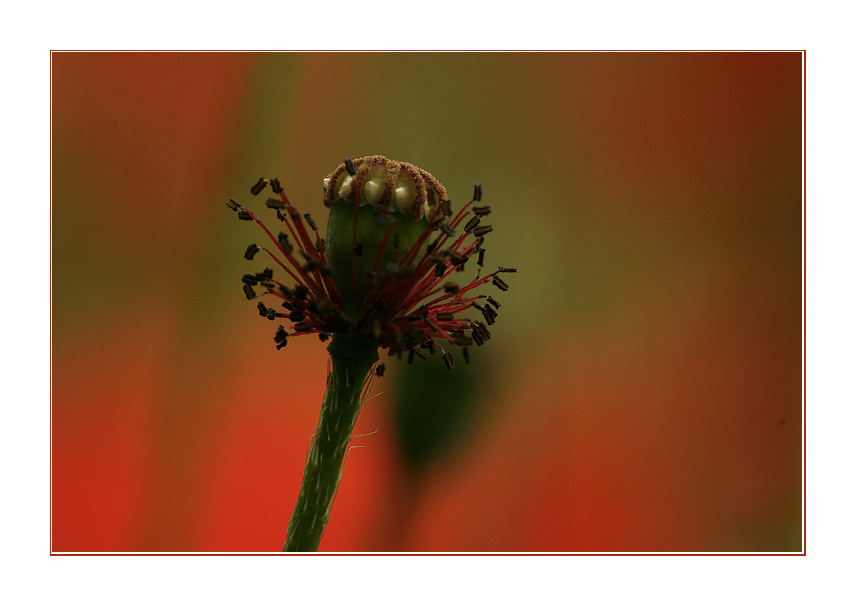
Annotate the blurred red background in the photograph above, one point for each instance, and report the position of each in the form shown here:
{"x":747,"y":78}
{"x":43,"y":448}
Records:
{"x":642,"y":391}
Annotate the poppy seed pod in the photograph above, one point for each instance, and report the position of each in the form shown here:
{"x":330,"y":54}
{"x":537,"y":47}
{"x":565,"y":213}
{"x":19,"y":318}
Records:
{"x":382,"y":272}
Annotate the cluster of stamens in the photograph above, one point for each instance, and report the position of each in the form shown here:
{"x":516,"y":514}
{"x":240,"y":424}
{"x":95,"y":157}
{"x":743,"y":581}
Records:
{"x":411,"y":306}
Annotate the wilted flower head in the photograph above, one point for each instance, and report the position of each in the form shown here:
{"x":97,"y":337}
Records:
{"x":385,"y":269}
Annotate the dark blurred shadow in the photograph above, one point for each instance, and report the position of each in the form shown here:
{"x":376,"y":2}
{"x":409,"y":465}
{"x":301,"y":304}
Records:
{"x":434,"y":413}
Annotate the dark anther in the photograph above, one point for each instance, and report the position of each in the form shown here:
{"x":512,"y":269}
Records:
{"x":493,"y":302}
{"x":481,"y":258}
{"x":233,"y":205}
{"x":445,"y":316}
{"x":271,"y":314}
{"x":296,"y":316}
{"x":245,"y":216}
{"x":431,"y":345}
{"x":248,"y":290}
{"x":447,"y":358}
{"x":472,"y":224}
{"x":249,"y":279}
{"x":477,"y":192}
{"x":283,"y":241}
{"x":280,"y":216}
{"x":493,"y":313}
{"x":265,"y":274}
{"x":430,"y":248}
{"x":311,"y":222}
{"x":349,"y":166}
{"x":500,"y":284}
{"x":323,"y":336}
{"x":259,"y":186}
{"x":477,"y":337}
{"x":445,"y":209}
{"x":274,"y":203}
{"x":275,"y":186}
{"x":456,"y":257}
{"x":358,"y":249}
{"x":300,"y":291}
{"x":451,"y":287}
{"x":420,"y":353}
{"x":484,"y":229}
{"x":252,"y":249}
{"x":447,"y":229}
{"x":440,"y":270}
{"x":380,"y":369}
{"x":507,"y":270}
{"x":485,"y":333}
{"x":481,"y":211}
{"x":488,"y":313}
{"x":288,"y":306}
{"x":263,"y":310}
{"x":410,"y":355}
{"x":281,"y":337}
{"x":466,"y":355}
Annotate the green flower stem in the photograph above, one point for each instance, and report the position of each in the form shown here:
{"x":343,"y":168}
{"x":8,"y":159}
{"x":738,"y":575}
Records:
{"x":352,"y":359}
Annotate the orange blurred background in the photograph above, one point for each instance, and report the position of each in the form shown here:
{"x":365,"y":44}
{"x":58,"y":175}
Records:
{"x":642,"y":390}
